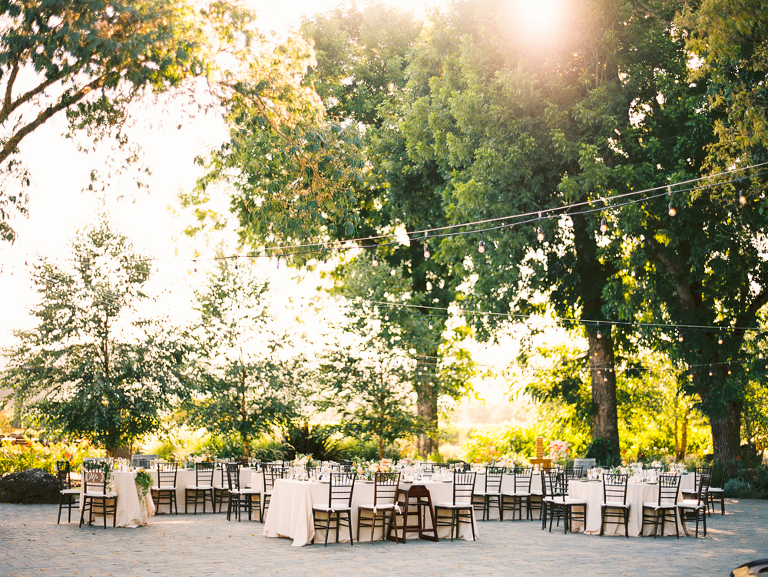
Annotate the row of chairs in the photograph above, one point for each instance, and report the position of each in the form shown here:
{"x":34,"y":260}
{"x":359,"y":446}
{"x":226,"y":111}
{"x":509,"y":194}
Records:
{"x":555,"y":505}
{"x":393,"y":510}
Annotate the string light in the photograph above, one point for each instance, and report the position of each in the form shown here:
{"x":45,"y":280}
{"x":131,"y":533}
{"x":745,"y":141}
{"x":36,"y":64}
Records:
{"x":720,"y":338}
{"x":603,"y":226}
{"x":431,"y":326}
{"x":540,"y":231}
{"x":680,"y":337}
{"x":427,"y":254}
{"x":672,"y":211}
{"x":481,"y":247}
{"x":710,"y":371}
{"x":374,"y":259}
{"x":599,"y":334}
{"x":742,"y":196}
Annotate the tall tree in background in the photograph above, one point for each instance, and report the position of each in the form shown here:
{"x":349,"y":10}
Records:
{"x":360,"y":74}
{"x":90,"y":60}
{"x":706,"y":266}
{"x":91,"y":369}
{"x":247,"y":382}
{"x":370,"y":390}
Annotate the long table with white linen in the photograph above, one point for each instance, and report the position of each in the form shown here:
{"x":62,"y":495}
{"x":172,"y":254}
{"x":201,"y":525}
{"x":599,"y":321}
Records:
{"x":130,"y":511}
{"x":290,"y":509}
{"x":186,"y":478}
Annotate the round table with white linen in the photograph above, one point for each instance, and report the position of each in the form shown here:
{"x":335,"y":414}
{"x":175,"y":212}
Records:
{"x":637,"y":494}
{"x":130,"y":510}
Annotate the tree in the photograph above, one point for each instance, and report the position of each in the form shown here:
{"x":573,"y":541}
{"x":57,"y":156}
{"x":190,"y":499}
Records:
{"x":87,"y":369}
{"x":245,"y":383}
{"x":90,"y":60}
{"x":361,"y":74}
{"x":370,"y":391}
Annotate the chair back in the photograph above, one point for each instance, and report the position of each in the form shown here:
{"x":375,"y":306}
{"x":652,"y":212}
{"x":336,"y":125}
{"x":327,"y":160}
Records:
{"x":204,"y":474}
{"x":523,"y":479}
{"x":493,"y":477}
{"x":615,"y":488}
{"x":554,"y":483}
{"x":270,"y":474}
{"x":703,"y":492}
{"x":63,"y":471}
{"x":226,"y":483}
{"x":573,"y":472}
{"x":340,"y":489}
{"x":95,"y":476}
{"x":233,"y":476}
{"x":669,"y":484}
{"x":385,"y":488}
{"x":166,"y":474}
{"x":463,"y":486}
{"x":698,"y":472}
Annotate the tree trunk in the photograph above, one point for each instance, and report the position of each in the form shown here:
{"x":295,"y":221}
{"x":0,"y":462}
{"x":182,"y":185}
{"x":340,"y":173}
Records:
{"x":683,"y":447}
{"x":381,"y":448}
{"x":427,"y":409}
{"x":726,"y":433}
{"x":605,"y":422}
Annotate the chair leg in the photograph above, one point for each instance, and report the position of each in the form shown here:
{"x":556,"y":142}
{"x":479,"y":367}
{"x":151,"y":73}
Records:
{"x":626,"y":523}
{"x":349,"y":526}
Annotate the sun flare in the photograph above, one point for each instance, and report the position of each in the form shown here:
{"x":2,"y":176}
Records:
{"x":538,"y":18}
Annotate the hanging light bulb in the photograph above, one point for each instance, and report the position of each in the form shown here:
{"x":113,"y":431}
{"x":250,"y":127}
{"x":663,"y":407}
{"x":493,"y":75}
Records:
{"x":374,"y":259}
{"x":386,"y":315}
{"x":431,"y":326}
{"x":729,"y":370}
{"x":481,"y":247}
{"x":742,"y":198}
{"x":603,"y":226}
{"x":720,"y":338}
{"x":672,"y":211}
{"x":599,"y":334}
{"x":427,"y":254}
{"x":710,"y":371}
{"x":680,"y":337}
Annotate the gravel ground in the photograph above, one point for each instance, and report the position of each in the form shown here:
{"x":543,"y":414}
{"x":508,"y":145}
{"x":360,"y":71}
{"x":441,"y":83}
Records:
{"x":31,"y":543}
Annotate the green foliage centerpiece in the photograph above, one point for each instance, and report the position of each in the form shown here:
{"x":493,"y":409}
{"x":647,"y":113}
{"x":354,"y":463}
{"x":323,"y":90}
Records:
{"x":144,"y":482}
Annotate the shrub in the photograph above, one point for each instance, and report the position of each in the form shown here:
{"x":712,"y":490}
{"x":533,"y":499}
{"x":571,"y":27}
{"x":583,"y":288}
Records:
{"x":17,"y":458}
{"x":316,"y":441}
{"x":601,"y":450}
{"x":739,"y":488}
{"x":491,"y":444}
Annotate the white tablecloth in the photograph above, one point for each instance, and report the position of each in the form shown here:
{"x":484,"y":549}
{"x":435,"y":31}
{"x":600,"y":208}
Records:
{"x":186,"y":478}
{"x":637,"y":494}
{"x":290,"y":510}
{"x":130,"y":512}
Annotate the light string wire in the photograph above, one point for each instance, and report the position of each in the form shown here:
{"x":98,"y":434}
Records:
{"x":435,"y":232}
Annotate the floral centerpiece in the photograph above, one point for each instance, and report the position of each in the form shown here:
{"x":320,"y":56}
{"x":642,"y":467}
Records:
{"x":367,"y":469}
{"x":305,"y":461}
{"x":558,"y":451}
{"x":144,"y":482}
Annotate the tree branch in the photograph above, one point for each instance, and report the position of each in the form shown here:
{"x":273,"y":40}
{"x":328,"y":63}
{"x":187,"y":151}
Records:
{"x":10,"y":106}
{"x":64,"y":103}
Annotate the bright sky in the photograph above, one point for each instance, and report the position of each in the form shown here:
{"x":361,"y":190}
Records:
{"x":57,"y":207}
